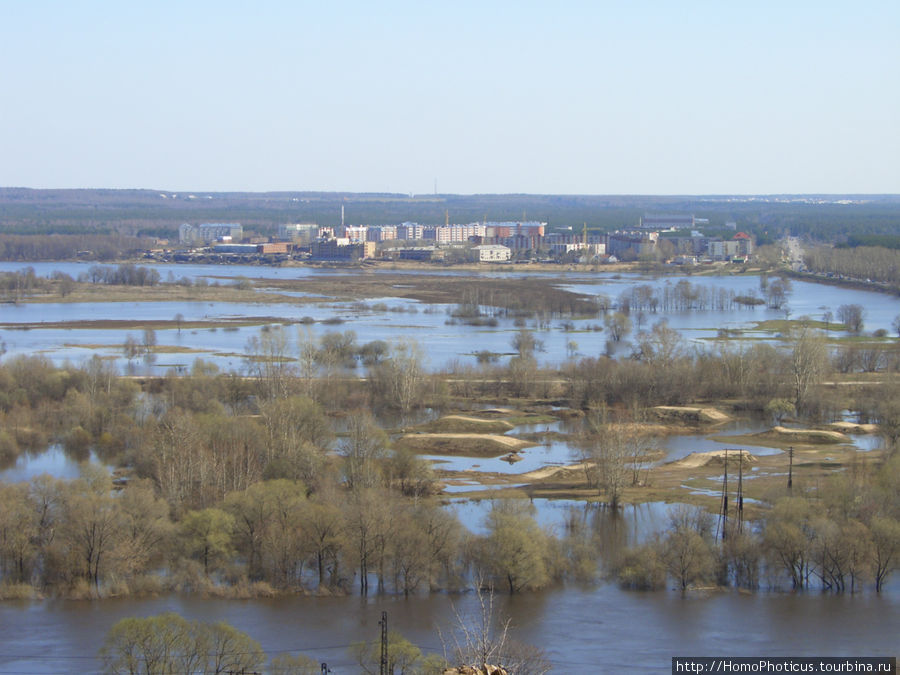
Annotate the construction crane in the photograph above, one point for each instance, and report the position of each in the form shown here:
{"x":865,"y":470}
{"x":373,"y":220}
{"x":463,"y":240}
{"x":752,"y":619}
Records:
{"x":586,"y":229}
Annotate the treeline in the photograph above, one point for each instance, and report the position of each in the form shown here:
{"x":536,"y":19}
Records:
{"x":831,"y":223}
{"x":685,"y":296}
{"x":838,"y":537}
{"x":122,"y":275}
{"x":151,"y":212}
{"x":874,"y":263}
{"x":21,"y":284}
{"x":891,"y":241}
{"x":30,"y":248}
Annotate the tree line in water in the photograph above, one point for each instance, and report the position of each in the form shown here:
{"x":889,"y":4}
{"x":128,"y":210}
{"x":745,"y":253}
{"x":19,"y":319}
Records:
{"x":282,"y":478}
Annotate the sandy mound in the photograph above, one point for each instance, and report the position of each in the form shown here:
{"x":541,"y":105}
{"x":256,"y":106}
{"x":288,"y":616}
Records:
{"x":809,"y":435}
{"x":470,"y":445}
{"x":715,"y":457}
{"x":851,"y":428}
{"x":498,"y":412}
{"x":463,"y":424}
{"x":550,"y":471}
{"x":690,"y":415}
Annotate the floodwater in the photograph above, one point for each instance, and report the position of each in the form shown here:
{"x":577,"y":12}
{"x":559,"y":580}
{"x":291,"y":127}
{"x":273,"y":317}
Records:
{"x":596,"y":629}
{"x":443,"y":340}
{"x":584,"y":629}
{"x":53,"y":461}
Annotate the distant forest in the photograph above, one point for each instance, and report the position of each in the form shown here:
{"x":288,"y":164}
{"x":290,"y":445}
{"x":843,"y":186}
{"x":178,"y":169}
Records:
{"x":153,"y":213}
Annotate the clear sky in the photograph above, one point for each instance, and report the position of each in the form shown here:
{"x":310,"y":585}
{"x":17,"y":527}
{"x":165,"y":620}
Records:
{"x":639,"y":97}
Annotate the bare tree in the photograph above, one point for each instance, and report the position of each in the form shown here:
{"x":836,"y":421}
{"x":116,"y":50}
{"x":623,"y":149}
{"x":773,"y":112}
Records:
{"x":618,"y":324}
{"x":482,"y":641}
{"x":269,"y":362}
{"x":809,"y":358}
{"x":363,"y":448}
{"x":611,"y":456}
{"x":852,"y":317}
{"x":400,"y":377}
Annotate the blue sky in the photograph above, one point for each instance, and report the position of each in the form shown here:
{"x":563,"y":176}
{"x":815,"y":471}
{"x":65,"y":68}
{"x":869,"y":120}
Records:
{"x":642,"y":97}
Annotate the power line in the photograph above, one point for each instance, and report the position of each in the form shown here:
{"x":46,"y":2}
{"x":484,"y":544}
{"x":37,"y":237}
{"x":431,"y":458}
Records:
{"x":267,"y":650}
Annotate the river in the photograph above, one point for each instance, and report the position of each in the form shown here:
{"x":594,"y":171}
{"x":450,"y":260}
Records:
{"x":597,"y":629}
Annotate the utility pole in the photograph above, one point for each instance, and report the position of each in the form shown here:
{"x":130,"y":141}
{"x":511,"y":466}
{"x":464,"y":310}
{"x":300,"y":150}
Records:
{"x":791,"y":467}
{"x":740,"y":504}
{"x":725,"y":499}
{"x":384,"y":644}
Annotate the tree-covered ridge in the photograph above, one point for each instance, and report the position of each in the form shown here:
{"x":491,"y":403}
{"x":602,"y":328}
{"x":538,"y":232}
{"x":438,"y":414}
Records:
{"x":160,"y":212}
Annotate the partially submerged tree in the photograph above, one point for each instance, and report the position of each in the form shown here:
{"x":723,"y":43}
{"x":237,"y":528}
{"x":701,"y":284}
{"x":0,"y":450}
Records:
{"x":168,"y":643}
{"x":515,"y":551}
{"x":809,"y":360}
{"x":852,"y":317}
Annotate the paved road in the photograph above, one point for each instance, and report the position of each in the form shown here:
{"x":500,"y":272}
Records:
{"x":795,"y":252}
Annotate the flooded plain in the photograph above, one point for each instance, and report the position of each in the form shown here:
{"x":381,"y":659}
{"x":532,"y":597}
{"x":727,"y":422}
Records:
{"x":444,"y":340}
{"x":584,"y":629}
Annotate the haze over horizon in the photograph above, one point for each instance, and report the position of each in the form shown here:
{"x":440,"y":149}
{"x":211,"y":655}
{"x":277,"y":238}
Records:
{"x":648,"y":98}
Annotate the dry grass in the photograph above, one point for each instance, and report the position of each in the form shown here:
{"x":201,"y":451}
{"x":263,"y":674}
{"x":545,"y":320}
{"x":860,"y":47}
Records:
{"x":818,"y":436}
{"x":690,"y":415}
{"x":461,"y":424}
{"x":465,"y":445}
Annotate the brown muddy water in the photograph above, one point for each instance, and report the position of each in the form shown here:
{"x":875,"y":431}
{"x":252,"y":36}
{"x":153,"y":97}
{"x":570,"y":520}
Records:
{"x":598,"y":629}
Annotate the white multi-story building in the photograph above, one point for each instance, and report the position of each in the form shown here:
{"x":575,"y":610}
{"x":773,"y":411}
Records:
{"x":493,"y":253}
{"x":356,"y":233}
{"x":451,"y":234}
{"x":410,"y":231}
{"x":382,"y":233}
{"x":300,"y":232}
{"x":198,"y":235}
{"x":561,"y":248}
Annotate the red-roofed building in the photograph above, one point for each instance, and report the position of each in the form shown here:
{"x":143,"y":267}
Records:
{"x":745,"y":244}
